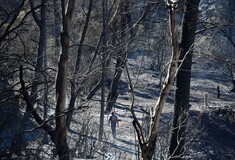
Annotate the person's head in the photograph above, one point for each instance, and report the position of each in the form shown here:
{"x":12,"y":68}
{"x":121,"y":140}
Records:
{"x":113,"y":113}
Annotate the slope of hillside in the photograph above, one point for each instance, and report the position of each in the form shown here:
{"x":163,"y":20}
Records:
{"x":211,"y":128}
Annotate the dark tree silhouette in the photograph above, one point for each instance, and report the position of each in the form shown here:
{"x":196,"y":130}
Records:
{"x":61,"y":81}
{"x":183,"y":81}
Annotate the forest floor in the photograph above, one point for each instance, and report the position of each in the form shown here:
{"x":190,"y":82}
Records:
{"x":211,"y":130}
{"x":211,"y":125}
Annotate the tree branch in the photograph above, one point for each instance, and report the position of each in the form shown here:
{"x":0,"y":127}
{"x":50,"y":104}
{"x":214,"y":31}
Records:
{"x":135,"y":122}
{"x":37,"y":20}
{"x":47,"y":128}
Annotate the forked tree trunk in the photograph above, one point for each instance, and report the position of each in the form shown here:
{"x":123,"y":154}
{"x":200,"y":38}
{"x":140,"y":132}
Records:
{"x":177,"y":143}
{"x":148,"y":144}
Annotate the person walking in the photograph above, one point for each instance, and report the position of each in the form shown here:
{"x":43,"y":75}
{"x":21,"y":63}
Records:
{"x":113,"y":120}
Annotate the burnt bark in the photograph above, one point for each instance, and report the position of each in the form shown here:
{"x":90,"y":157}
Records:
{"x":30,"y":109}
{"x":103,"y":70}
{"x":148,"y":144}
{"x":121,"y":57}
{"x":94,"y":90}
{"x":74,"y":92}
{"x":57,"y":24}
{"x":42,"y":48}
{"x":182,"y":92}
{"x":61,"y":81}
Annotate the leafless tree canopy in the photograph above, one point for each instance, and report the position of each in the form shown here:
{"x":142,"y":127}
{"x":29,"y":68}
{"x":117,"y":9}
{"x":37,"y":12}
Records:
{"x":66,"y":65}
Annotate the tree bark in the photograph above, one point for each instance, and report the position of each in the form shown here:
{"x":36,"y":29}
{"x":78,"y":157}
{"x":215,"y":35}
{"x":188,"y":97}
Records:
{"x":77,"y":66}
{"x":42,"y":49}
{"x":47,"y":128}
{"x":58,"y":136}
{"x":148,"y":144}
{"x":57,"y":25}
{"x":61,"y":81}
{"x":182,"y":91}
{"x":122,"y":56}
{"x":103,"y":74}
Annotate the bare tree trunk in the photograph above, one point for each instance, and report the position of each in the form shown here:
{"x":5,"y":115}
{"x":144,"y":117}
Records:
{"x":182,"y":91}
{"x":57,"y":25}
{"x":122,"y":56}
{"x":58,"y":136}
{"x":103,"y":58}
{"x":94,"y":90}
{"x":42,"y":49}
{"x":148,"y":144}
{"x":61,"y":81}
{"x":42,"y":124}
{"x":76,"y":68}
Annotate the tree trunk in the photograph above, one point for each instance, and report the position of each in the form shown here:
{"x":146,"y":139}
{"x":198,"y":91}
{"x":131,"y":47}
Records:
{"x":61,"y":81}
{"x":77,"y":66}
{"x":103,"y":58}
{"x":112,"y":96}
{"x":47,"y":128}
{"x":148,"y":145}
{"x":122,"y":56}
{"x":148,"y":150}
{"x":182,"y":91}
{"x":42,"y":48}
{"x":57,"y":25}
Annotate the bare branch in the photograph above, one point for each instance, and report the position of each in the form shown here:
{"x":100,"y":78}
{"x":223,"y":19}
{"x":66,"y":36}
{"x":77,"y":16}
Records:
{"x":42,"y":124}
